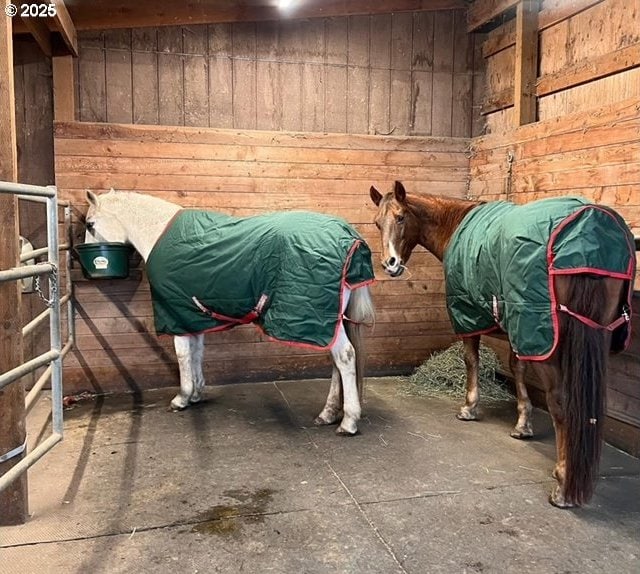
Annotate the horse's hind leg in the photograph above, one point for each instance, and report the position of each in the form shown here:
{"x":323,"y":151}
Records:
{"x":469,"y":411}
{"x":523,"y":426}
{"x":344,"y":358}
{"x":197,"y":352}
{"x":551,"y":378}
{"x":332,"y":408}
{"x":184,"y":352}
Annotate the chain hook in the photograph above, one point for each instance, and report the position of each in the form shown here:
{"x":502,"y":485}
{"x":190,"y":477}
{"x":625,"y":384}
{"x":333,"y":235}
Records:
{"x":53,"y":286}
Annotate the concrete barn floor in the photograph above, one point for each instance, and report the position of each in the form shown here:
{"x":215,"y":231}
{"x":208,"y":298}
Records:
{"x":244,"y":483}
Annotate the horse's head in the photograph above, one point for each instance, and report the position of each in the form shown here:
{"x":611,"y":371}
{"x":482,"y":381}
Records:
{"x":102,"y":221}
{"x":399,"y":228}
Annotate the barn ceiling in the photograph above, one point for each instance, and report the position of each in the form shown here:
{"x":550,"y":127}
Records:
{"x":104,"y":14}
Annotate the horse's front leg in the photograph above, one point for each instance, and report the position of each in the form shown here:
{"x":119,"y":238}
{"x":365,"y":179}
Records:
{"x":332,"y":408}
{"x":523,"y":426}
{"x":469,"y":412}
{"x":344,"y":358}
{"x":184,"y":352}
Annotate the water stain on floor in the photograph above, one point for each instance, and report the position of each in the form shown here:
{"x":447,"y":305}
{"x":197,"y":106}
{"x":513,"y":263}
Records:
{"x":227,"y":519}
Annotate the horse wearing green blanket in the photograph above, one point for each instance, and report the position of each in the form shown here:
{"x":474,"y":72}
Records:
{"x":300,"y":277}
{"x":556,"y":276}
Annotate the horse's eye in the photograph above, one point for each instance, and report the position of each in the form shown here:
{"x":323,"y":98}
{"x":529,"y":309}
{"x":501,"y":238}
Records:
{"x":400,"y":219}
{"x":89,"y":225}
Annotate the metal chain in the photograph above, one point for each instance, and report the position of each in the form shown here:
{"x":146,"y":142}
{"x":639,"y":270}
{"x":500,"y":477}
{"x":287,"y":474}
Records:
{"x":53,"y":286}
{"x":510,"y":159}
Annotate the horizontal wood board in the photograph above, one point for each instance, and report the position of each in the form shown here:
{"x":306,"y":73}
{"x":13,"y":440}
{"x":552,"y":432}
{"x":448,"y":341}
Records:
{"x":589,"y":57}
{"x":243,"y":173}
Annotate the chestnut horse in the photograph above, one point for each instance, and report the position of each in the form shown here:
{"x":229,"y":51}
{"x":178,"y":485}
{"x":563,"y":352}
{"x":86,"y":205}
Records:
{"x":574,"y":373}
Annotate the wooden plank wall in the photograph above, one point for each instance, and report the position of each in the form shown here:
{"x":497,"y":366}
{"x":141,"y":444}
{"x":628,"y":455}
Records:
{"x":243,"y":173}
{"x":592,"y":43}
{"x":402,"y":73}
{"x":594,"y":154}
{"x":34,"y":130}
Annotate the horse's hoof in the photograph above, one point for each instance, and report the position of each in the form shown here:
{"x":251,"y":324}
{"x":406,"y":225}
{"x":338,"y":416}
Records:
{"x":342,"y":431}
{"x":466,"y":415}
{"x":521,"y":434}
{"x":560,"y":503}
{"x":558,"y":500}
{"x":320,"y":422}
{"x":177,"y":406}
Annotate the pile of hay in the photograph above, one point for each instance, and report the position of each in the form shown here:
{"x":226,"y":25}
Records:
{"x":444,"y":375}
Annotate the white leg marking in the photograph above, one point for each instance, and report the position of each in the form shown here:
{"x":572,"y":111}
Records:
{"x":197,"y":352}
{"x":183,"y":352}
{"x":344,"y":358}
{"x":331,"y":411}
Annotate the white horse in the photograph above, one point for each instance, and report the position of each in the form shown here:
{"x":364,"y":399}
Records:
{"x":140,"y":220}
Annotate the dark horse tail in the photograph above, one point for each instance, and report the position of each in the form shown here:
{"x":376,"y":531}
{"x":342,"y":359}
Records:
{"x":583,"y":355}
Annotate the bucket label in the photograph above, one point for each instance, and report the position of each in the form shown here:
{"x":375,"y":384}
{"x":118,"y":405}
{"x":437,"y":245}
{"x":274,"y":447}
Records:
{"x":101,"y":262}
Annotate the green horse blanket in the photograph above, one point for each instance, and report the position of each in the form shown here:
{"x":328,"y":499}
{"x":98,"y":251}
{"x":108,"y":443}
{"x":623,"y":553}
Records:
{"x":500,"y":263}
{"x":284,"y":271}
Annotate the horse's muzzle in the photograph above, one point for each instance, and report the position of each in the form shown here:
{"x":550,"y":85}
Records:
{"x":393,"y":267}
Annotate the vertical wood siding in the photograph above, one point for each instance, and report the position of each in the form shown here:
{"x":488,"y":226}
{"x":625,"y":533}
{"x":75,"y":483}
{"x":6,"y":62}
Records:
{"x":405,"y":73}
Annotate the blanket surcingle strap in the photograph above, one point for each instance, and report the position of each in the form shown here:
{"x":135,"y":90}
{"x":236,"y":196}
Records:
{"x":502,"y":259}
{"x":284,"y":272}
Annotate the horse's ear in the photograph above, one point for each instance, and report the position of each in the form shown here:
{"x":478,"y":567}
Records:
{"x":92,"y":198}
{"x":376,"y":196}
{"x":400,"y":192}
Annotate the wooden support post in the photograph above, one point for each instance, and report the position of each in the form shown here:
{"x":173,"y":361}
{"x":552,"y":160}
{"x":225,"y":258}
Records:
{"x":526,"y":65}
{"x":64,"y":89}
{"x":13,"y":501}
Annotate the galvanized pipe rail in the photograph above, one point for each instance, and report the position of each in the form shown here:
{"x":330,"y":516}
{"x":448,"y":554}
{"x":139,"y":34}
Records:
{"x":53,"y":358}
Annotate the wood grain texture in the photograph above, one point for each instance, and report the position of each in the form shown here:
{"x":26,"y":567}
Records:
{"x":526,"y":62}
{"x":108,"y":14}
{"x":588,"y":57}
{"x":343,"y":74}
{"x":14,"y":500}
{"x":245,"y":173}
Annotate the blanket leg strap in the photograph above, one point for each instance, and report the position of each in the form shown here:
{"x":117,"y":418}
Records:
{"x":624,"y":318}
{"x":250,"y":317}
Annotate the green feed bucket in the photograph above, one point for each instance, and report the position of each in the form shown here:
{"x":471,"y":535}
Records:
{"x":104,"y":260}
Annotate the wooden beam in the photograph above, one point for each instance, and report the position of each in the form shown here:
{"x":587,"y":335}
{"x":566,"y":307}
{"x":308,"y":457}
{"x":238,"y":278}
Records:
{"x":13,"y":500}
{"x":526,"y":64}
{"x":483,"y":11}
{"x":592,"y":69}
{"x":109,"y":14}
{"x":63,"y":23}
{"x":505,"y":36}
{"x":563,"y":11}
{"x":64,"y":89}
{"x":40,"y":32}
